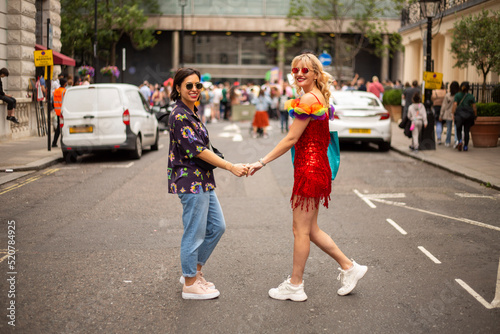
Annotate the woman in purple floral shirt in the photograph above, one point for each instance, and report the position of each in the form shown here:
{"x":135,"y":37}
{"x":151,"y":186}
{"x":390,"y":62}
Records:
{"x":202,"y":215}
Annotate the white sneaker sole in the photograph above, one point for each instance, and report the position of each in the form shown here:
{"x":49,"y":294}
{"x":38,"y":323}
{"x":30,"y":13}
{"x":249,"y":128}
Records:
{"x":295,"y":297}
{"x":182,"y":280}
{"x":198,"y":296}
{"x":360,"y":275}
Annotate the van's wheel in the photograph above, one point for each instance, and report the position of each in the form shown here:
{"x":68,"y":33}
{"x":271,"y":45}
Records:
{"x":154,"y":147}
{"x":137,"y":152}
{"x":69,"y":157}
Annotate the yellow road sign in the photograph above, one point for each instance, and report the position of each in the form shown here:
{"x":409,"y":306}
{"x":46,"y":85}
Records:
{"x":43,"y":58}
{"x":433,"y":80}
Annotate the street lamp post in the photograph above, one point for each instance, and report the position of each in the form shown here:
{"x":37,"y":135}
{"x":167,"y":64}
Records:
{"x":429,"y":9}
{"x":183,"y":4}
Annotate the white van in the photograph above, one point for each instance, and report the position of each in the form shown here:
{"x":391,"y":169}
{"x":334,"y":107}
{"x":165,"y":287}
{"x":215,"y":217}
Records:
{"x":106,"y":117}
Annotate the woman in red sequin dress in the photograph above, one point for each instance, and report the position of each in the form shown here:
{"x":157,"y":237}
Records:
{"x":310,"y":135}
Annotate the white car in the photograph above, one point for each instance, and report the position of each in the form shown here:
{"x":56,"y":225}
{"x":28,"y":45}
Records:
{"x":106,"y":117}
{"x":361,"y":117}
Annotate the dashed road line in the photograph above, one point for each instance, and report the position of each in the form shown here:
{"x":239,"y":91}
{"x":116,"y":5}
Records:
{"x":396,"y":226}
{"x":429,"y":255}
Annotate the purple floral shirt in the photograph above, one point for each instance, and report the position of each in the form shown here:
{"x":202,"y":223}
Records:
{"x":188,"y":138}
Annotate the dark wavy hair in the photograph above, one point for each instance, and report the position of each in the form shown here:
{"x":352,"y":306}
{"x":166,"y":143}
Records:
{"x":416,"y":98}
{"x":181,"y":74}
{"x":454,"y":88}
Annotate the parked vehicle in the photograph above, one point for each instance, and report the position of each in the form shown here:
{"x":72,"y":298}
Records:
{"x":107,"y":117}
{"x":361,"y":117}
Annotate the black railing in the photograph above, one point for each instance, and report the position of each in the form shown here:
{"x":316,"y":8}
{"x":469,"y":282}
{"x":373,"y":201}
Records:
{"x":476,"y":89}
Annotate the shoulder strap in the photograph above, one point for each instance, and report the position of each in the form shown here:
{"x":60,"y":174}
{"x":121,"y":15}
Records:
{"x":462,"y":99}
{"x":316,"y":98}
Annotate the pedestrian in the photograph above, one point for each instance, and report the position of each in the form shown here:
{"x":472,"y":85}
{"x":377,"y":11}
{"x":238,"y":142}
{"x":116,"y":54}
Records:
{"x":437,"y":98}
{"x":309,"y":133}
{"x":202,"y":215}
{"x":58,"y":100}
{"x":145,"y":90}
{"x":376,"y":87}
{"x":418,"y":117}
{"x":408,"y":96}
{"x":261,"y":116}
{"x":283,"y":111}
{"x":465,"y":115}
{"x":9,"y":99}
{"x":446,"y":111}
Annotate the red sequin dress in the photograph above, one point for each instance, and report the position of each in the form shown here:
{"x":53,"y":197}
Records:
{"x":312,"y":174}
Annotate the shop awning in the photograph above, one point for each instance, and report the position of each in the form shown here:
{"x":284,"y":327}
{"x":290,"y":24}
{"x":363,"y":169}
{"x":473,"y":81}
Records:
{"x":59,"y":58}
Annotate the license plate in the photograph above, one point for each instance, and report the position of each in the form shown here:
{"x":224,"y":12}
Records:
{"x":367,"y":131}
{"x":81,"y":129}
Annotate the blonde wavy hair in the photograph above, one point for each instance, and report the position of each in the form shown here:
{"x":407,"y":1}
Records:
{"x":312,"y":63}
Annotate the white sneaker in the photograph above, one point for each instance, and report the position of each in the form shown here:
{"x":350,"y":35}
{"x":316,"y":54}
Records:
{"x":287,"y":291}
{"x":350,"y":277}
{"x":199,"y":291}
{"x":199,"y":276}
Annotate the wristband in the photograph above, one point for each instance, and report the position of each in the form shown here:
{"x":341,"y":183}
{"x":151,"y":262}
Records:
{"x":262,"y":162}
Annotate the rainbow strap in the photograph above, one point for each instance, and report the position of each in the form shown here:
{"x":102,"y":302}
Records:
{"x":301,"y":110}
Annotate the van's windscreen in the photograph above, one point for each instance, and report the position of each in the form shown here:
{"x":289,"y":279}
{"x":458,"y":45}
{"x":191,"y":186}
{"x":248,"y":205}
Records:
{"x":85,"y":100}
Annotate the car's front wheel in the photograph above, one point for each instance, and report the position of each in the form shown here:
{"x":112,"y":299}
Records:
{"x":137,"y":152}
{"x":384,"y":146}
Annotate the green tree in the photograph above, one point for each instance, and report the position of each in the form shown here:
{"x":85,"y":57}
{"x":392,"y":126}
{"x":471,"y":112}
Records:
{"x":350,"y":24}
{"x":116,"y":18}
{"x":476,"y":41}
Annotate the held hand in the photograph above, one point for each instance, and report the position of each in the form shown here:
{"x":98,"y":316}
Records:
{"x":253,"y":168}
{"x":239,"y":170}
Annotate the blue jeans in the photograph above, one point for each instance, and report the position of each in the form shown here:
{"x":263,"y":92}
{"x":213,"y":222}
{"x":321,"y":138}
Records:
{"x":284,"y":121}
{"x":449,"y":124}
{"x":204,"y":225}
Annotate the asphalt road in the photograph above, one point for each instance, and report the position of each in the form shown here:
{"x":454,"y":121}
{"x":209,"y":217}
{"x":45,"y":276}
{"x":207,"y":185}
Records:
{"x":97,"y":248}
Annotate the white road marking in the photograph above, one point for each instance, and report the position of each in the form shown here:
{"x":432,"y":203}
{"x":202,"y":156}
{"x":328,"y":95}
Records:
{"x":496,"y":300}
{"x":365,"y":199}
{"x":396,"y":226}
{"x":118,"y":166}
{"x":238,"y":137}
{"x":429,"y":255}
{"x":397,"y":195}
{"x":474,"y":294}
{"x":467,"y":195}
{"x":463,"y":220}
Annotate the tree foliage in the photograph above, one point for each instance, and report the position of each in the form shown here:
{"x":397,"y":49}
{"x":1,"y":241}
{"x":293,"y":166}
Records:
{"x":475,"y":42}
{"x":350,"y":26}
{"x":115,"y":18}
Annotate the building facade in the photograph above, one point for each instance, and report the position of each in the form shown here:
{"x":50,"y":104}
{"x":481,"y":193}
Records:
{"x":21,"y":28}
{"x":413,"y":31}
{"x":231,"y":40}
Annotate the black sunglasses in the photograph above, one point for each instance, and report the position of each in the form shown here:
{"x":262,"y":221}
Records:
{"x":190,"y":85}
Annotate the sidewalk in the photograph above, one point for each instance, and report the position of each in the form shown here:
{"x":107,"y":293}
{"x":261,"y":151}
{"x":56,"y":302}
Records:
{"x":20,"y":157}
{"x":23,"y":156}
{"x":478,"y":164}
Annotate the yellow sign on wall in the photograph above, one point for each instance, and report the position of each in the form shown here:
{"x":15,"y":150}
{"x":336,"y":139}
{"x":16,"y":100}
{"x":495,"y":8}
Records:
{"x":43,"y":58}
{"x":433,"y":80}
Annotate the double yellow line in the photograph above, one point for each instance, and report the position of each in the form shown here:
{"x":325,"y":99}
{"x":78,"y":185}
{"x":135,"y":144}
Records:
{"x":31,"y":179}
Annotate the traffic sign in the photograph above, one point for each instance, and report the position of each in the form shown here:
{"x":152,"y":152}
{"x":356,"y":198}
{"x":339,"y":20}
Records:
{"x":433,"y":80}
{"x":43,"y":58}
{"x":325,"y":59}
